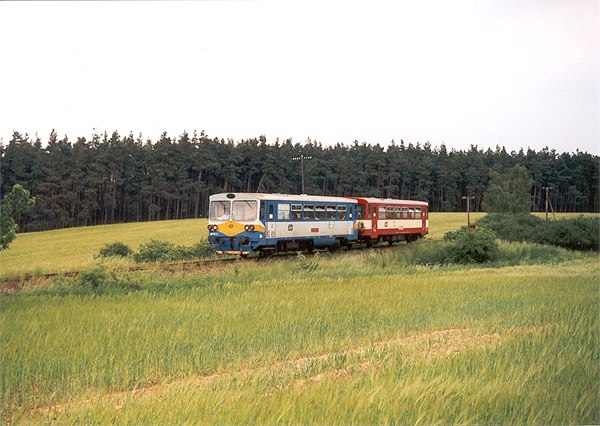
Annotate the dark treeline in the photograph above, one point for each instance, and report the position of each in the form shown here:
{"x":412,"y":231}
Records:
{"x":114,"y":178}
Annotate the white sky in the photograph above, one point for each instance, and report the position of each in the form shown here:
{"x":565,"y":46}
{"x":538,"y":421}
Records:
{"x":512,"y":73}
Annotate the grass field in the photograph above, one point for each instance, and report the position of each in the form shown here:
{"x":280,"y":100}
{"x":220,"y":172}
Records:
{"x":361,"y":337}
{"x":76,"y":248}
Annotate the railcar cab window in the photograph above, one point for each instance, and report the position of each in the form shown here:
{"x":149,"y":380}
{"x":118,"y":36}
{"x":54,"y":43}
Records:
{"x":361,"y":211}
{"x":245,"y":210}
{"x":341,"y":212}
{"x":220,"y":210}
{"x":283,"y":212}
{"x":309,"y":212}
{"x":297,"y":211}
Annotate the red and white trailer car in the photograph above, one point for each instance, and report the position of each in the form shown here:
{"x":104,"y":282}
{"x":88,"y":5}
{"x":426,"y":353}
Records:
{"x":391,"y":220}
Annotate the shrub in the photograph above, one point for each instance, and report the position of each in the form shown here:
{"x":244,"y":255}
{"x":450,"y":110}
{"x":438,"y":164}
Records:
{"x":164,"y":251}
{"x":157,"y":251}
{"x":462,"y":246}
{"x":517,"y":227}
{"x":115,"y":249}
{"x":202,"y":249}
{"x":581,"y":233}
{"x":99,"y":280}
{"x":471,"y":246}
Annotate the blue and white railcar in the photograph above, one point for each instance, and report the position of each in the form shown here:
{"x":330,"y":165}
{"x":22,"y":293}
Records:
{"x":240,"y":223}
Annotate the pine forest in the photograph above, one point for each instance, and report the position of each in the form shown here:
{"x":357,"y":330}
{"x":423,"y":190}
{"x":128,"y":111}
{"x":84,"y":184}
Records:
{"x":110,"y":178}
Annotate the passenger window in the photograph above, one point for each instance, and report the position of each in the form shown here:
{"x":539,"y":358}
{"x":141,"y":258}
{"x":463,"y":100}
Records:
{"x":390,"y":213}
{"x":411,"y":213}
{"x":297,"y":211}
{"x":331,"y":212}
{"x":417,"y":213}
{"x":283,"y":212}
{"x":381,"y":213}
{"x":404,"y":213}
{"x":341,"y":212}
{"x":398,"y":212}
{"x":320,"y":213}
{"x":309,"y":212}
{"x":361,"y":211}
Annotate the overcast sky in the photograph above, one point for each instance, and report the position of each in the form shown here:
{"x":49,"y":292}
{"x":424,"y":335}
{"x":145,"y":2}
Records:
{"x":511,"y":73}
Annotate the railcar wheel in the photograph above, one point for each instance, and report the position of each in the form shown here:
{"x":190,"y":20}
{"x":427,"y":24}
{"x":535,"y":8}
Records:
{"x":244,"y":255}
{"x":390,"y":242}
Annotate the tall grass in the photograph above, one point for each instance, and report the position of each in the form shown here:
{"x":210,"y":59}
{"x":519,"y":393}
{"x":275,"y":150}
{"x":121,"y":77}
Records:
{"x":80,"y":349}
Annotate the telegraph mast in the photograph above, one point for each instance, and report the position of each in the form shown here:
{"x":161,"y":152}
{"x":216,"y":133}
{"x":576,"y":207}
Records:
{"x":301,"y":158}
{"x":468,"y":209}
{"x":548,"y":203}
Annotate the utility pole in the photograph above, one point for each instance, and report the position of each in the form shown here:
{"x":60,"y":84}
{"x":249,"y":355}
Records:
{"x":468,"y":210}
{"x":301,"y":159}
{"x":548,"y":203}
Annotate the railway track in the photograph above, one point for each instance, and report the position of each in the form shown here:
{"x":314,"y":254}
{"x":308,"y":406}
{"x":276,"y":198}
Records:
{"x":11,"y":286}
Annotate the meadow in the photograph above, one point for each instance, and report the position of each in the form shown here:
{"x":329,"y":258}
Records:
{"x":76,"y":249}
{"x":361,"y":337}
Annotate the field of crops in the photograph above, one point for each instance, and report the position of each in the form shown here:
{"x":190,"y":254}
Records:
{"x":361,"y":337}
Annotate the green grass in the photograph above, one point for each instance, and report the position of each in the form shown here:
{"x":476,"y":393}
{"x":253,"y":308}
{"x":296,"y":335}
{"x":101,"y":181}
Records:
{"x":75,"y":248}
{"x":360,"y":337}
{"x":332,"y":339}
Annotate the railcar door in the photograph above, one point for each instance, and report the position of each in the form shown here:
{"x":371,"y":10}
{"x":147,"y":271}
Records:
{"x":271,"y":232}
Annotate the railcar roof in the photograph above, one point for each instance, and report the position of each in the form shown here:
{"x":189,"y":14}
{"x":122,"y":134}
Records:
{"x":392,"y":201}
{"x":281,"y":197}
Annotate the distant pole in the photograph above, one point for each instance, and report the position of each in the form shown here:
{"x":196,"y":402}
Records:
{"x":546,"y":188}
{"x":301,"y":159}
{"x":548,"y":204}
{"x":468,"y":210}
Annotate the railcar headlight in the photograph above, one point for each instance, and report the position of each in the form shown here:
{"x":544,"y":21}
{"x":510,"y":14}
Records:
{"x":209,"y":227}
{"x":251,"y":227}
{"x":246,"y":228}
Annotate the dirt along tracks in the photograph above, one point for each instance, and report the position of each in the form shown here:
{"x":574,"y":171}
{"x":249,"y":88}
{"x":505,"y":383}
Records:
{"x":301,"y":372}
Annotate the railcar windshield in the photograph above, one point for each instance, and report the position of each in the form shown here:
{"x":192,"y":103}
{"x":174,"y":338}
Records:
{"x":220,"y":210}
{"x":245,"y":210}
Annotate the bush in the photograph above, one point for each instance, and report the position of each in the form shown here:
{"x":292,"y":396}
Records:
{"x":99,"y":280}
{"x":462,"y":246}
{"x":163,"y":251}
{"x":115,"y":249}
{"x":581,"y":233}
{"x":471,"y":246}
{"x":517,"y":227}
{"x":202,"y":249}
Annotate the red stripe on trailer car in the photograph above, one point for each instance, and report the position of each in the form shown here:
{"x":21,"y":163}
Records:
{"x":314,"y":229}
